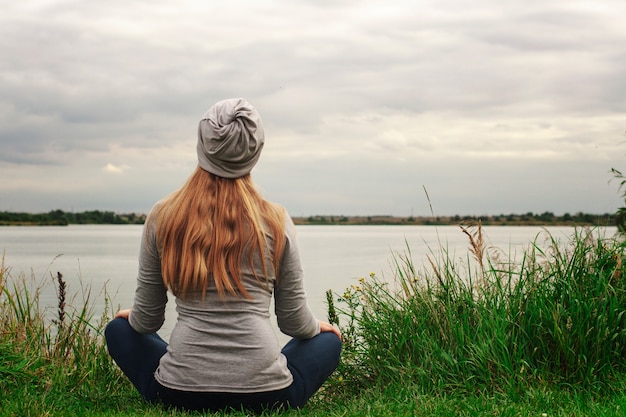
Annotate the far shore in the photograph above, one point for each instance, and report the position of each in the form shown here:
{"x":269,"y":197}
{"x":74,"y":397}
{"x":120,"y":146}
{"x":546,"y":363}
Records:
{"x":61,"y":218}
{"x":528,"y":219}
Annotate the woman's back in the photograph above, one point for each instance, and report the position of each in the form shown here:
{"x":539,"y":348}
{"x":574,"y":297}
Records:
{"x":227,"y":342}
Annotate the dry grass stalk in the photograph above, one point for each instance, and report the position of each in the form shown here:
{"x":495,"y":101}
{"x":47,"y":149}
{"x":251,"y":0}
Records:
{"x":3,"y":271}
{"x":435,"y":270}
{"x":477,"y":243}
{"x":61,"y":297}
{"x":617,"y":273}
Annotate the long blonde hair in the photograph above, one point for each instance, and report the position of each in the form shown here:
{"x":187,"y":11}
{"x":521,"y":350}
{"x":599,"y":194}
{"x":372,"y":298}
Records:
{"x":207,"y":227}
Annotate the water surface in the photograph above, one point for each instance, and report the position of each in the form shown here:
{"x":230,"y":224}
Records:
{"x":333,"y":257}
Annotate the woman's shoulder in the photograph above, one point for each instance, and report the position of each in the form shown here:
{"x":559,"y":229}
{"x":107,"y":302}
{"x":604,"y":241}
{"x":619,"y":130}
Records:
{"x":157,"y":208}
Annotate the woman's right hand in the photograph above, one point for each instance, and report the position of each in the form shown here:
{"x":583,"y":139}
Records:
{"x":327,"y":327}
{"x":123,"y":314}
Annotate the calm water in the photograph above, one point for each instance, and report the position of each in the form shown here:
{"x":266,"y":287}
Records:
{"x":334,"y":257}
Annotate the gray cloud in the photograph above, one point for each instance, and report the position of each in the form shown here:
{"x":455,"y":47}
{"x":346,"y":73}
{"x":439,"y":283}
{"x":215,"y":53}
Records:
{"x":508,"y":107}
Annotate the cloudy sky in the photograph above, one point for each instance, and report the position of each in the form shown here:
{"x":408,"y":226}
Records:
{"x":491,"y":106}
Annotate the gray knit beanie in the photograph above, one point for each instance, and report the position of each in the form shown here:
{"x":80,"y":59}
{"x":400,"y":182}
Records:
{"x":230,"y":138}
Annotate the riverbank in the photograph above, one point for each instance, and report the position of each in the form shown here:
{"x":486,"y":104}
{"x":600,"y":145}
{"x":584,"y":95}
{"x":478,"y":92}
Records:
{"x":463,"y":338}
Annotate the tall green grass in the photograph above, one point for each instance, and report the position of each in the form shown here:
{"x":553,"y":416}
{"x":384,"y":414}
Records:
{"x":54,"y":356}
{"x":490,"y":324}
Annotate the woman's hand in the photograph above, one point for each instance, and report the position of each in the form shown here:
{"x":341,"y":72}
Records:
{"x":327,"y":327}
{"x":123,"y":314}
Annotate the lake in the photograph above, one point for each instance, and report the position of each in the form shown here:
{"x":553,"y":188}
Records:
{"x":334,"y":257}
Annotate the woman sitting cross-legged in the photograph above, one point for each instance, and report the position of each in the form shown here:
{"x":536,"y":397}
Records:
{"x":224,"y":252}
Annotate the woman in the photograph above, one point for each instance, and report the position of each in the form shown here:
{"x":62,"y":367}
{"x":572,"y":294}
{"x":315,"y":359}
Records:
{"x":223,"y":251}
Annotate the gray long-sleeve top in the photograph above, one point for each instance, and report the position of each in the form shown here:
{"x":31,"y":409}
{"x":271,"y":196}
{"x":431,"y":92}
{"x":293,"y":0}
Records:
{"x":225,"y":344}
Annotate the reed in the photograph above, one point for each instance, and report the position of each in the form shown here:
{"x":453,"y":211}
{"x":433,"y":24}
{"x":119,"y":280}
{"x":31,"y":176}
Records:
{"x":488,"y":323}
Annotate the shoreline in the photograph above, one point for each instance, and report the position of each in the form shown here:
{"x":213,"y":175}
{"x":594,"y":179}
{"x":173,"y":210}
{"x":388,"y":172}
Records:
{"x":60,"y":218}
{"x":501,"y":220}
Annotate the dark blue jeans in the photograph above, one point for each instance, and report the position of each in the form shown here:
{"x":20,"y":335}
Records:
{"x":311,"y":361}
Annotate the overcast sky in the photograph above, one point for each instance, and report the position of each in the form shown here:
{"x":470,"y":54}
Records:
{"x":491,"y":106}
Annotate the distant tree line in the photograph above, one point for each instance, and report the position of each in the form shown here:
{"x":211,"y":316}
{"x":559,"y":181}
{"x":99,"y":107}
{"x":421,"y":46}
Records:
{"x":62,"y":218}
{"x":527,"y":219}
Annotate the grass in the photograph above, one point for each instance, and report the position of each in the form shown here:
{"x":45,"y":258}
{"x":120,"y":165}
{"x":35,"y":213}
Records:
{"x":482,"y":335}
{"x":493,"y":327}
